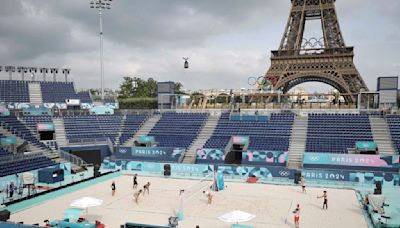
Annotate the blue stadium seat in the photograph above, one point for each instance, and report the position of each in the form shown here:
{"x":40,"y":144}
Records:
{"x":14,"y":91}
{"x":15,"y":126}
{"x":13,"y":167}
{"x":336,"y":133}
{"x":271,"y":135}
{"x":103,"y":127}
{"x":131,"y":126}
{"x":393,"y":122}
{"x":178,"y":129}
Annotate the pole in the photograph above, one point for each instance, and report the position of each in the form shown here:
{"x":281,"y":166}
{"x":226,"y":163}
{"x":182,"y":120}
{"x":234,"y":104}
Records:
{"x":101,"y":55}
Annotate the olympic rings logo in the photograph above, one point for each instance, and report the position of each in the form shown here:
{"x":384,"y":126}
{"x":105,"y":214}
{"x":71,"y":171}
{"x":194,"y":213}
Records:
{"x":261,"y":82}
{"x":283,"y":173}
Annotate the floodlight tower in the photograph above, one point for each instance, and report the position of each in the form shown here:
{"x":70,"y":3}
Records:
{"x":22,"y":70}
{"x":33,"y":71}
{"x":10,"y":70}
{"x":54,"y":71}
{"x":101,"y":5}
{"x":66,"y":71}
{"x":44,"y":71}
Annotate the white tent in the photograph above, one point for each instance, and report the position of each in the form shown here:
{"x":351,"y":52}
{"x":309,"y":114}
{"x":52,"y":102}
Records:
{"x":236,"y":216}
{"x":86,"y":202}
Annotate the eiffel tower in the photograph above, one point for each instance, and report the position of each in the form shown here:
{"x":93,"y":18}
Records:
{"x":326,"y":59}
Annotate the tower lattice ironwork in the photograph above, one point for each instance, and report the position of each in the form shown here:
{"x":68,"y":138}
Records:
{"x":326,"y":59}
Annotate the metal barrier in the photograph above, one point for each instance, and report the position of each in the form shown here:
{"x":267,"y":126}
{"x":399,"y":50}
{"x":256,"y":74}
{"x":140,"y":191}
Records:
{"x":95,"y":141}
{"x":72,"y":158}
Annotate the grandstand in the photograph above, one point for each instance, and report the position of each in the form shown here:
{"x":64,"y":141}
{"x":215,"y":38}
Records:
{"x":103,"y":140}
{"x":16,"y":91}
{"x":394,"y":125}
{"x":264,"y":135}
{"x":153,"y":154}
{"x":336,"y":133}
{"x":178,"y":129}
{"x":92,"y":127}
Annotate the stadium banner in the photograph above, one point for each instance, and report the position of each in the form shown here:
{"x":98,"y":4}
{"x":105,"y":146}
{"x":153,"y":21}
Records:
{"x":260,"y":172}
{"x":8,"y":141}
{"x":146,"y":139}
{"x":351,"y":160}
{"x":179,"y":170}
{"x":388,"y":178}
{"x":336,"y":175}
{"x":36,"y":110}
{"x":264,"y":157}
{"x":149,"y":153}
{"x":45,"y":127}
{"x":101,"y":110}
{"x":155,"y":167}
{"x":243,"y":140}
{"x":191,"y":168}
{"x":210,"y":156}
{"x":365,"y":145}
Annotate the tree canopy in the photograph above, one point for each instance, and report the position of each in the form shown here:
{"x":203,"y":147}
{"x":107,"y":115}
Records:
{"x":135,"y":87}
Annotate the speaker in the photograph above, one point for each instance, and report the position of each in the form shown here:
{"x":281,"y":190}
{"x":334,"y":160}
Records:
{"x":297,"y":176}
{"x":4,"y":215}
{"x":167,"y":170}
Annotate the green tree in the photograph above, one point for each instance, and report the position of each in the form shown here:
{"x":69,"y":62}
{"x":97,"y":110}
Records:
{"x":177,"y":88}
{"x":127,"y":88}
{"x":135,"y":87}
{"x":146,"y":88}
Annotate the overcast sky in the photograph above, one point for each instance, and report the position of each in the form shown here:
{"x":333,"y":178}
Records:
{"x":227,"y":40}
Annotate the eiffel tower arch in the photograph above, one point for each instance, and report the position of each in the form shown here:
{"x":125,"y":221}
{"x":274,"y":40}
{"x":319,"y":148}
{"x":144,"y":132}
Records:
{"x":326,"y":59}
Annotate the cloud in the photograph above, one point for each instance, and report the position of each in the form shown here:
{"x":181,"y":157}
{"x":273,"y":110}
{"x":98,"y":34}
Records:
{"x":227,"y":41}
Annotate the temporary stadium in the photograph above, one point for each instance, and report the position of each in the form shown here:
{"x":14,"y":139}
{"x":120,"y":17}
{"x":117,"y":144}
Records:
{"x":264,"y":157}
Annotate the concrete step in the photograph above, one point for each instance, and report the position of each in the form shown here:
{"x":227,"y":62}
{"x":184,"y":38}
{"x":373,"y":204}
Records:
{"x":144,"y":129}
{"x":297,"y":143}
{"x":205,"y":133}
{"x":35,"y":93}
{"x":381,"y":135}
{"x":61,"y":135}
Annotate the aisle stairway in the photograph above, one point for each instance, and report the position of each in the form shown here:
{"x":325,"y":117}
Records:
{"x":297,"y":142}
{"x":145,"y":129}
{"x":123,"y":121}
{"x":35,"y":93}
{"x":61,"y":136}
{"x":205,"y":133}
{"x":381,"y":135}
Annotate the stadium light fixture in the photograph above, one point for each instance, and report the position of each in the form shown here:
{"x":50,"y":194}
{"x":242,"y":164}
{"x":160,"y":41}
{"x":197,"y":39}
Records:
{"x":33,"y":71}
{"x":66,"y":72}
{"x":101,"y":5}
{"x":54,"y":71}
{"x":10,"y":70}
{"x":44,"y":71}
{"x":22,"y":70}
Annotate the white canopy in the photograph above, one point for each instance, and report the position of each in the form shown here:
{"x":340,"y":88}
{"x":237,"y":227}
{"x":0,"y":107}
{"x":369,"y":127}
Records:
{"x":86,"y":202}
{"x":236,"y":216}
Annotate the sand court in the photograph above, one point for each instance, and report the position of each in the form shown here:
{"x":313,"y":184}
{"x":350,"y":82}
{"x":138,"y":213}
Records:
{"x":272,"y":204}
